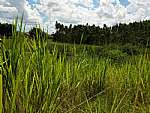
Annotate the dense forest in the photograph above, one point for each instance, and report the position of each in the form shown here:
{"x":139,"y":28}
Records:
{"x":6,"y":29}
{"x":136,"y":33}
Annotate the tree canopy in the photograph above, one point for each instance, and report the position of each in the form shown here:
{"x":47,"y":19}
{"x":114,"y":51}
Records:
{"x":6,"y":29}
{"x":136,"y":33}
{"x":36,"y":33}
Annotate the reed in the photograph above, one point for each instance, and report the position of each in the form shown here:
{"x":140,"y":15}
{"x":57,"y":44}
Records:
{"x":36,"y":80}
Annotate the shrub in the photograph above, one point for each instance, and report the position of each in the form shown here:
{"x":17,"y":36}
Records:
{"x":130,"y":50}
{"x":116,"y":56}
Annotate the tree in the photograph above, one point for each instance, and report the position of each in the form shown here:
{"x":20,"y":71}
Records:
{"x":6,"y":29}
{"x":37,"y":33}
{"x":133,"y":33}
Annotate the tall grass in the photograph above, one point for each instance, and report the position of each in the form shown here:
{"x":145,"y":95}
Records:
{"x":1,"y":84}
{"x":36,"y":80}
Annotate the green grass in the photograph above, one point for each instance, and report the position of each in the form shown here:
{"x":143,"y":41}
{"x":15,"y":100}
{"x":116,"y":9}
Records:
{"x":39,"y":77}
{"x":1,"y":91}
{"x":1,"y":84}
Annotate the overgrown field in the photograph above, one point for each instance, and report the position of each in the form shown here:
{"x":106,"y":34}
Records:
{"x":39,"y":77}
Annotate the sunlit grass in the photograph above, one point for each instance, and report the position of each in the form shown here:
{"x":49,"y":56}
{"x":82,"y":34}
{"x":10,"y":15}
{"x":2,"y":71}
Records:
{"x":1,"y":86}
{"x":39,"y":80}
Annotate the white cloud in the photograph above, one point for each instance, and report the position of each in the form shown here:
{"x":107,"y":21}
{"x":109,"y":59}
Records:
{"x":10,"y":9}
{"x":46,"y":12}
{"x":104,"y":2}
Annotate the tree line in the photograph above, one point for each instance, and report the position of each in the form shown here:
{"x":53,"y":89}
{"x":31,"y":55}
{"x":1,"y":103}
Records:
{"x":6,"y":29}
{"x":136,"y":33}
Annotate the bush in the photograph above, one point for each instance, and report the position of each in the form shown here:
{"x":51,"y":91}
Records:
{"x":6,"y":29}
{"x":36,"y":33}
{"x":116,"y":56}
{"x":130,"y":50}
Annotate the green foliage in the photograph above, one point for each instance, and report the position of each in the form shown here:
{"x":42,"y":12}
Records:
{"x":37,"y":33}
{"x":1,"y":82}
{"x":116,"y":56}
{"x":131,"y":50}
{"x":41,"y":77}
{"x":6,"y":29}
{"x":136,"y":33}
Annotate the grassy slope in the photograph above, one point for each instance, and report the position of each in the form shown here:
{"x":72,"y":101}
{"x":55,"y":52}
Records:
{"x":39,"y":81}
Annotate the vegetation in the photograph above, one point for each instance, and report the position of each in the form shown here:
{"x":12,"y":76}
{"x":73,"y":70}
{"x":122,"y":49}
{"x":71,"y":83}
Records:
{"x":41,"y":34}
{"x":39,"y":76}
{"x":6,"y":29}
{"x":1,"y":85}
{"x":137,"y":33}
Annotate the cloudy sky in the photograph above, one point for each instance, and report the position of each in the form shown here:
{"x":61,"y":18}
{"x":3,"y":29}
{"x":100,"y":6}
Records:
{"x":97,"y":12}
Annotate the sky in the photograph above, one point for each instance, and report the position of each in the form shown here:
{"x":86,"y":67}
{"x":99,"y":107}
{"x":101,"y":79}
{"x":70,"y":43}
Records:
{"x":98,"y":12}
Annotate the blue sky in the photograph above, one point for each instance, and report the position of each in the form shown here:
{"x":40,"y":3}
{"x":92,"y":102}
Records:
{"x":32,"y":1}
{"x":98,"y":12}
{"x":124,"y":2}
{"x":97,"y":2}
